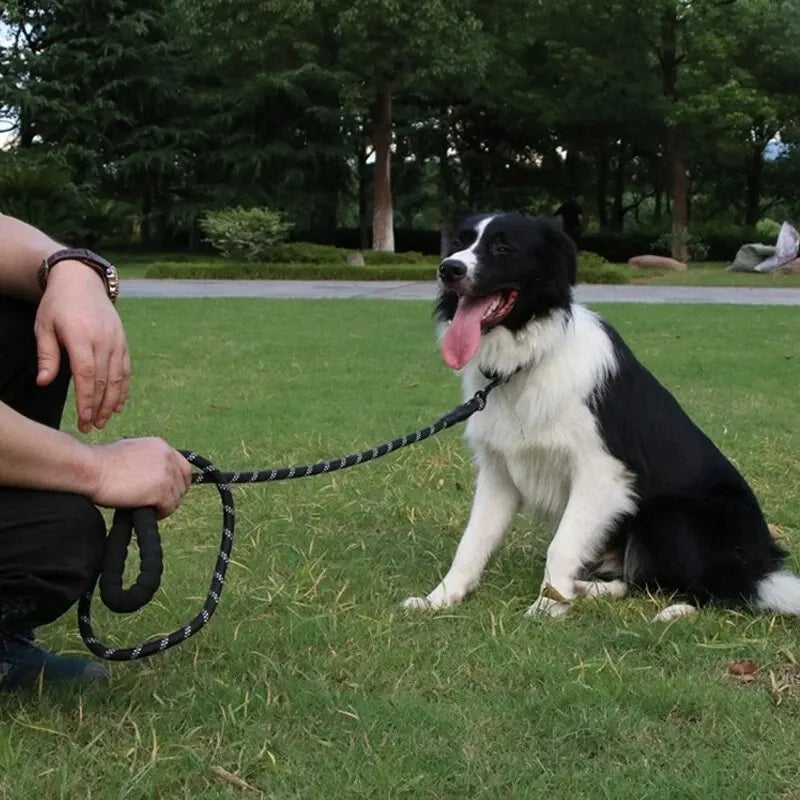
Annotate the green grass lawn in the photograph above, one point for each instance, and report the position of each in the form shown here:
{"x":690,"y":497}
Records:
{"x":311,"y":682}
{"x":713,"y":273}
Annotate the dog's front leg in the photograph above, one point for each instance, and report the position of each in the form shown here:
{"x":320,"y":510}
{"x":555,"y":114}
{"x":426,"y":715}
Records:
{"x":496,"y":501}
{"x":594,"y":504}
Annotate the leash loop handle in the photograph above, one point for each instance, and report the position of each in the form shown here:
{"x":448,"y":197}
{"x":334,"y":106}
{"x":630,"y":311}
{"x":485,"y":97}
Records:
{"x":126,"y":522}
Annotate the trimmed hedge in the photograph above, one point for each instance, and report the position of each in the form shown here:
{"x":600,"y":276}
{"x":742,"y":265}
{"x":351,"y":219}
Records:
{"x":298,"y":272}
{"x":312,"y":253}
{"x":591,"y":269}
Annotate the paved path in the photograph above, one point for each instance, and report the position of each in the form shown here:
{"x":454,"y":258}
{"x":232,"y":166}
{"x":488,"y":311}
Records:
{"x":426,"y":290}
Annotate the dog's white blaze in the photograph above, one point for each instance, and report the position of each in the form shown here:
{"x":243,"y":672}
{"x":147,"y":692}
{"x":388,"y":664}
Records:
{"x":469,"y":257}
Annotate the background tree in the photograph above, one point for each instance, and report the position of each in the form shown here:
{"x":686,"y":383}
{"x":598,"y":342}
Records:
{"x":370,"y":120}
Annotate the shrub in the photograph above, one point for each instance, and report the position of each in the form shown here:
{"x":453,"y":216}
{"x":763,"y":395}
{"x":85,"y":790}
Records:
{"x":276,"y":271}
{"x":377,"y":258}
{"x":593,"y":268}
{"x":305,"y":253}
{"x":768,"y":230}
{"x":245,"y":233}
{"x":311,"y":253}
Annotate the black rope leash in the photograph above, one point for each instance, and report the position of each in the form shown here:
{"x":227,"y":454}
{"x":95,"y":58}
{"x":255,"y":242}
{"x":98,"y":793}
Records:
{"x":142,"y":523}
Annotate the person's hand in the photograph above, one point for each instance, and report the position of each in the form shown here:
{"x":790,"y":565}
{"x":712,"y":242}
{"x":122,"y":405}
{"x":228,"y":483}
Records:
{"x":135,"y":473}
{"x":75,"y":314}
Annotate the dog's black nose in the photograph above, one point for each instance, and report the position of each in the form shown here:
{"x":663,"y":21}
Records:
{"x":451,"y":269}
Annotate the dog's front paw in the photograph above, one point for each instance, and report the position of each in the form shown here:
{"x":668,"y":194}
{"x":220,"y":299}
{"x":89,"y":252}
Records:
{"x":438,"y":598}
{"x":675,"y":611}
{"x":547,"y":607}
{"x":417,"y":604}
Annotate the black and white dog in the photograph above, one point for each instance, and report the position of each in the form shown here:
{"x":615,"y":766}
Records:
{"x":581,"y":430}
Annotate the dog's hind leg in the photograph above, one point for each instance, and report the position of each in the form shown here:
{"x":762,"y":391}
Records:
{"x":496,"y":501}
{"x":601,"y":588}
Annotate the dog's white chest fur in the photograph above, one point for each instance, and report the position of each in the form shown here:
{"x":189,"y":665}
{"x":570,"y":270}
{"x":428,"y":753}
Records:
{"x":539,"y":426}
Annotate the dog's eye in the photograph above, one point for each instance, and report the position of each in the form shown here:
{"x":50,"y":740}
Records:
{"x":499,"y":247}
{"x":462,"y":241}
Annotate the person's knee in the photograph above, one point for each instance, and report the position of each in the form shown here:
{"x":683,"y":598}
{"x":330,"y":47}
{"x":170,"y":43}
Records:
{"x":71,"y":557}
{"x":53,"y":546}
{"x":83,"y":536}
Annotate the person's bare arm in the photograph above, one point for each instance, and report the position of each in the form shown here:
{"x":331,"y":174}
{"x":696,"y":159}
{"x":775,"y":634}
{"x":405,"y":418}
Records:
{"x":22,"y":250}
{"x":126,"y":474}
{"x":75,"y":314}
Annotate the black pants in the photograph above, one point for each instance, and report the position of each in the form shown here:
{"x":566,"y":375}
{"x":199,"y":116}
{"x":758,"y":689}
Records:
{"x":51,"y":543}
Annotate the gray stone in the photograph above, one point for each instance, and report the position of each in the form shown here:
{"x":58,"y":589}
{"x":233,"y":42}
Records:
{"x":657,"y":262}
{"x":355,"y":259}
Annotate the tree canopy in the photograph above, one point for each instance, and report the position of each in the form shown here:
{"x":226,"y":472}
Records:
{"x":130,"y":119}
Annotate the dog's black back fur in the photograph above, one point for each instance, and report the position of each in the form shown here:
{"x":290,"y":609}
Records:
{"x":698,"y":529}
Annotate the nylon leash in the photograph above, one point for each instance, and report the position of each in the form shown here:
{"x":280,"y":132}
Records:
{"x":142,"y":523}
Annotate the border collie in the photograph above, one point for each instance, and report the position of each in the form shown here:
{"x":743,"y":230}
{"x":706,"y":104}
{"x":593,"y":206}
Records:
{"x":582,"y":431}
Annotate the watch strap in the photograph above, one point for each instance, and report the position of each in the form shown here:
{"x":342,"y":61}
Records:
{"x":104,"y":268}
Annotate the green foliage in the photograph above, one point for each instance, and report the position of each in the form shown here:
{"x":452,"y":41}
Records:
{"x":695,"y":246}
{"x":246,"y":233}
{"x":177,"y":107}
{"x":593,"y":268}
{"x":38,"y":189}
{"x":319,"y":271}
{"x":768,"y":230}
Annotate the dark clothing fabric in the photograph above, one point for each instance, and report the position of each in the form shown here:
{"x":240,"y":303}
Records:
{"x":51,"y":543}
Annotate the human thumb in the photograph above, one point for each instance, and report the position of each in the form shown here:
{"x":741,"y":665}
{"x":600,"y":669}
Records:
{"x":49,"y":356}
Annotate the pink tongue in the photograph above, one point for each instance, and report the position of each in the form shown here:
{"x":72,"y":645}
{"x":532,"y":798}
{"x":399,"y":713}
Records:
{"x":463,"y":336}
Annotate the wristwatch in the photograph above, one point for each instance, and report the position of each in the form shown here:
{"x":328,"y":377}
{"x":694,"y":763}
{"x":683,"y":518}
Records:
{"x":105,"y":269}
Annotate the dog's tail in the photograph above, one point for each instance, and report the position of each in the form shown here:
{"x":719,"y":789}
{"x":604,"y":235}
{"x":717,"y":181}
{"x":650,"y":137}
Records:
{"x":779,"y":591}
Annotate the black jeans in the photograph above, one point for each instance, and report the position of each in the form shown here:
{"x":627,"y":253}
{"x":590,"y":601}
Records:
{"x":51,"y":543}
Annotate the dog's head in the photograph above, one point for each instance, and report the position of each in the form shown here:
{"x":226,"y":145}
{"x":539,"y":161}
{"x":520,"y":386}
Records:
{"x":503,"y":270}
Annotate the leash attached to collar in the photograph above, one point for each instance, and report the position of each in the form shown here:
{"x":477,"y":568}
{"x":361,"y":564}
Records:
{"x":142,"y":522}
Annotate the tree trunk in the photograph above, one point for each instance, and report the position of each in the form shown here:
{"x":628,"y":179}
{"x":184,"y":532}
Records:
{"x":573,"y":168}
{"x":753,"y":189}
{"x":680,"y":196}
{"x":618,"y":216}
{"x":658,"y":193}
{"x":363,"y":190}
{"x":679,"y":179}
{"x":602,"y":188}
{"x":446,"y":187}
{"x":382,"y":213}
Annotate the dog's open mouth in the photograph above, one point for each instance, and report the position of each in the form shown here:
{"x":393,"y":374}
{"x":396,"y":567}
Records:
{"x":474,"y":316}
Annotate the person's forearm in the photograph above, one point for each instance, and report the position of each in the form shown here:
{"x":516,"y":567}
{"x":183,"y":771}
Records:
{"x":22,"y":249}
{"x":33,"y":456}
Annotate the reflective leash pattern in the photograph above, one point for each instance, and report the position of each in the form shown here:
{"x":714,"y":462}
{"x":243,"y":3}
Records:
{"x":142,"y":523}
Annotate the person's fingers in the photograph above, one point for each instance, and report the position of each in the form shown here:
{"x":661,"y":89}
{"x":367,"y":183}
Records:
{"x":112,"y":399}
{"x":48,"y":355}
{"x":82,"y":363}
{"x":102,"y":357}
{"x":186,"y":471}
{"x":126,"y":380}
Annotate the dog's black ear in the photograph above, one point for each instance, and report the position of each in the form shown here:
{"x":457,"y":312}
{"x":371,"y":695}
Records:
{"x":561,"y":250}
